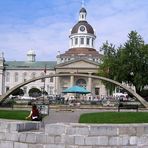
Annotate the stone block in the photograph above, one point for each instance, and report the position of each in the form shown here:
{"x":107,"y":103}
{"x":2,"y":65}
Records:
{"x":113,"y":140}
{"x":55,"y":129}
{"x":59,"y":139}
{"x":4,"y":127}
{"x":41,"y":138}
{"x":79,"y":140}
{"x":140,"y":131}
{"x":20,"y":145}
{"x":86,"y":146}
{"x":31,"y":138}
{"x":103,"y":130}
{"x":124,"y":140}
{"x":11,"y":136}
{"x":50,"y":139}
{"x":35,"y":146}
{"x":71,"y":146}
{"x":146,"y":130}
{"x":69,"y":139}
{"x":22,"y":137}
{"x":103,"y":140}
{"x":129,"y":130}
{"x":54,"y":146}
{"x":78,"y":130}
{"x":91,"y":141}
{"x":6,"y":144}
{"x":2,"y":136}
{"x":133,"y":140}
{"x":31,"y":126}
{"x":142,"y":141}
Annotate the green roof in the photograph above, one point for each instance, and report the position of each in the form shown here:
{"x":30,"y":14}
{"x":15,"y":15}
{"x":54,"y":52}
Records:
{"x":30,"y":65}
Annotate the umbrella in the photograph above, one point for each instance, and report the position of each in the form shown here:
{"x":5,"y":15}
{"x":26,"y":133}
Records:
{"x":76,"y":89}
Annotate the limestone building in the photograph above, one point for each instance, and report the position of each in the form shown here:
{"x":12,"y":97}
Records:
{"x":81,"y":57}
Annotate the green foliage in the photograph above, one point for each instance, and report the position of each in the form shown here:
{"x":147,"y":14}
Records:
{"x":144,"y":93}
{"x":34,"y":92}
{"x":18,"y":92}
{"x":127,"y":63}
{"x":114,"y":117}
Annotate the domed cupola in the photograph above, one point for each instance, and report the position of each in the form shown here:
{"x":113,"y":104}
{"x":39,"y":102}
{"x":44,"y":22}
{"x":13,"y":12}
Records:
{"x":83,"y":13}
{"x":31,"y":55}
{"x":82,"y":34}
{"x":82,"y":38}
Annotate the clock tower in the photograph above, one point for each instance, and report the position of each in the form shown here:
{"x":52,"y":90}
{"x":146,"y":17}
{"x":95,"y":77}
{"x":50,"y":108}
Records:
{"x":81,"y":39}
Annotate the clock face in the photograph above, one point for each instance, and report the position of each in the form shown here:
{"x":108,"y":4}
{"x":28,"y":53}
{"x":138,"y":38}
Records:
{"x":82,"y":28}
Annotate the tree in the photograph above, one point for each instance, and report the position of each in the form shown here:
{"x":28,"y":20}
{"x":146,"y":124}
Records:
{"x":18,"y":92}
{"x":34,"y":92}
{"x":128,"y":63}
{"x":109,"y":61}
{"x":134,"y":61}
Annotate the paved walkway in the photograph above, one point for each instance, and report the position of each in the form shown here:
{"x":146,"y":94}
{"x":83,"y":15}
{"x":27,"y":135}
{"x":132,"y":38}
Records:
{"x":67,"y":116}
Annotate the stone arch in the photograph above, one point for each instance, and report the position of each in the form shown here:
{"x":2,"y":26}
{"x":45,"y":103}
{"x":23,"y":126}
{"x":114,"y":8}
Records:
{"x":3,"y":97}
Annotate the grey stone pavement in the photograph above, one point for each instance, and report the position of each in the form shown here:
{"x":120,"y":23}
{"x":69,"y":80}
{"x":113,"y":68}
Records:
{"x":66,"y":116}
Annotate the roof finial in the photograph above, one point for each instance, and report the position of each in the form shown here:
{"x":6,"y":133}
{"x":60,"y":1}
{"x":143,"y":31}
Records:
{"x":82,"y":3}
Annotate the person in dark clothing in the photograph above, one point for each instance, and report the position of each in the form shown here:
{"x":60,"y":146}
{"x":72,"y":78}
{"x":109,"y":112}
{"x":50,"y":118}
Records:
{"x":34,"y":114}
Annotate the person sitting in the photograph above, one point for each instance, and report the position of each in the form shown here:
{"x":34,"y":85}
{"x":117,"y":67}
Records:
{"x":34,"y":114}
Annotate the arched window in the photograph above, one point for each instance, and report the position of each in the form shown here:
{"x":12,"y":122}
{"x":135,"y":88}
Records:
{"x":81,"y":82}
{"x":16,"y":77}
{"x":7,"y":77}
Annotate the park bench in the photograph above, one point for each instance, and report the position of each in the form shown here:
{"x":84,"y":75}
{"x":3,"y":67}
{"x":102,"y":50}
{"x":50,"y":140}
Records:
{"x":127,"y":106}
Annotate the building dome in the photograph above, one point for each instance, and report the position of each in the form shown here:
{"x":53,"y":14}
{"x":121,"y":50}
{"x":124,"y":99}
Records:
{"x":31,"y":55}
{"x":31,"y":52}
{"x":83,"y":10}
{"x":88,"y":27}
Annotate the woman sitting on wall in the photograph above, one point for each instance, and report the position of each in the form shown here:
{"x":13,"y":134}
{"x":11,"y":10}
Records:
{"x":34,"y":114}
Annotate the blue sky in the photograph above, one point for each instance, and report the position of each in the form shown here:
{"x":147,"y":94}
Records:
{"x":44,"y":25}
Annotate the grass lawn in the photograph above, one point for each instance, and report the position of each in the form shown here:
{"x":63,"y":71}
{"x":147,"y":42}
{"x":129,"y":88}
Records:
{"x":14,"y":114}
{"x":114,"y":117}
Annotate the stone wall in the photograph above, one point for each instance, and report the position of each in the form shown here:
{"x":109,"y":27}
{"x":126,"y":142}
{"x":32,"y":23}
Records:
{"x":18,"y":135}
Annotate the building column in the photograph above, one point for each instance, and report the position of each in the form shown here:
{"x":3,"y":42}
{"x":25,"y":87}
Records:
{"x":89,"y":82}
{"x":57,"y":85}
{"x":1,"y":82}
{"x":71,"y":81}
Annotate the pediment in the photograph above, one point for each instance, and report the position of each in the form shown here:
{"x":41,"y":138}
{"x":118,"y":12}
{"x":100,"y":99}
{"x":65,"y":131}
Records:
{"x":78,"y":64}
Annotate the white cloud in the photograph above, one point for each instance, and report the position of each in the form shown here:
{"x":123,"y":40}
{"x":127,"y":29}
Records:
{"x":48,"y":33}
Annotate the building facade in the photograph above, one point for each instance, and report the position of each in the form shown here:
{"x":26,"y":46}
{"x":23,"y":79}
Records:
{"x":81,"y":58}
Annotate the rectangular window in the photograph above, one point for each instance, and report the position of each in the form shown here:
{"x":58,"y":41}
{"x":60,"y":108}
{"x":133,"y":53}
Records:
{"x":16,"y":77}
{"x":82,"y":40}
{"x":51,"y":79}
{"x":7,"y":77}
{"x":76,"y":41}
{"x":51,"y":90}
{"x":72,"y":42}
{"x":92,"y":42}
{"x":87,"y":41}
